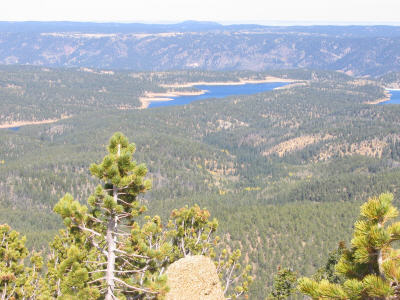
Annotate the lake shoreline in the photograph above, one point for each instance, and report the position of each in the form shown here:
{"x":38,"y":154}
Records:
{"x":393,"y":97}
{"x":381,"y":100}
{"x":269,"y":79}
{"x":168,"y":96}
{"x":26,"y":123}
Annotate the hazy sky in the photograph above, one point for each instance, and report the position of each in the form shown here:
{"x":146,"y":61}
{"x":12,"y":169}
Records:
{"x":225,"y":11}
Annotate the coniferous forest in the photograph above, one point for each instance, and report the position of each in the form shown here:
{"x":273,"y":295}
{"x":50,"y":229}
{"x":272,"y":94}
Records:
{"x":276,"y":181}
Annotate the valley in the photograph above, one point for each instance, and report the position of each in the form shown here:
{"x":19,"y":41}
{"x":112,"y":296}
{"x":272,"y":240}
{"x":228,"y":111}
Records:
{"x":284,"y":170}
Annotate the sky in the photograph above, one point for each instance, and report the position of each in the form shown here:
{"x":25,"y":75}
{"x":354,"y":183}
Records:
{"x":223,"y":11}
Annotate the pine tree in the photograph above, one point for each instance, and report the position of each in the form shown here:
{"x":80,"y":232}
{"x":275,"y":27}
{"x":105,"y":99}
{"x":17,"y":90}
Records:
{"x":192,"y":233}
{"x":18,"y":281}
{"x":328,"y":271}
{"x":105,"y":252}
{"x":371,"y":266}
{"x":117,"y":269}
{"x":189,"y":231}
{"x":284,"y":284}
{"x":70,"y":265}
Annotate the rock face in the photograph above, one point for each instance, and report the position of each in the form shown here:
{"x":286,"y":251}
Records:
{"x":194,"y":278}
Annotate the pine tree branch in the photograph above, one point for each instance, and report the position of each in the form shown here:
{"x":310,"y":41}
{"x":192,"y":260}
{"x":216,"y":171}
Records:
{"x":228,"y":279}
{"x":89,"y":230}
{"x":131,"y":255}
{"x":183,"y":247}
{"x":94,"y":243}
{"x":98,"y":279}
{"x":126,"y":261}
{"x":95,"y":262}
{"x":121,"y":233}
{"x":219,"y":263}
{"x":129,"y":271}
{"x":2,"y":241}
{"x":126,"y":203}
{"x":95,"y":219}
{"x":134,"y":288}
{"x":198,"y":236}
{"x":125,"y":215}
{"x":127,"y":186}
{"x":237,"y":295}
{"x":126,"y":226}
{"x":96,"y":271}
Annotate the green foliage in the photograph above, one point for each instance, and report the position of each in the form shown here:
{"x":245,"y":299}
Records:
{"x":328,"y":271}
{"x":17,"y":281}
{"x":192,"y":233}
{"x":78,"y":265}
{"x":96,"y":255}
{"x":141,"y":256}
{"x":371,"y":266}
{"x":189,"y":231}
{"x":284,"y":284}
{"x":69,"y":267}
{"x":287,"y":210}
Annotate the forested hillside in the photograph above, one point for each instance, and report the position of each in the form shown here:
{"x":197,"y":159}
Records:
{"x":284,"y":171}
{"x":356,"y":50}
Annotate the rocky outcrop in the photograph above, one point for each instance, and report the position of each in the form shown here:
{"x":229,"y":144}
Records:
{"x":194,"y":278}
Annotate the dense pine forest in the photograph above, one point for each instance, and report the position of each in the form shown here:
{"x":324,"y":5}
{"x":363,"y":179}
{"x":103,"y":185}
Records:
{"x":284,"y":171}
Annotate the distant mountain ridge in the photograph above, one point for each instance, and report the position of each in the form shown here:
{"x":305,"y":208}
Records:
{"x":93,"y":27}
{"x":356,"y":50}
{"x":195,"y":26}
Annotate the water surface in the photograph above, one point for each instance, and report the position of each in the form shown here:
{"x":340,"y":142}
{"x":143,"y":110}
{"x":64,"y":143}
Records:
{"x":394,"y":97}
{"x":220,"y":91}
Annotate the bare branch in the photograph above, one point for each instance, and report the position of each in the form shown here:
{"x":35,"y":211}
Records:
{"x":98,"y":279}
{"x":89,"y":230}
{"x":95,"y":262}
{"x":129,"y":271}
{"x":95,"y":219}
{"x":96,"y":271}
{"x":134,"y":287}
{"x":228,"y":279}
{"x":130,"y":255}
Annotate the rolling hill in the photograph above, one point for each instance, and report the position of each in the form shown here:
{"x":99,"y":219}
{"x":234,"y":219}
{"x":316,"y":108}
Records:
{"x":284,"y":171}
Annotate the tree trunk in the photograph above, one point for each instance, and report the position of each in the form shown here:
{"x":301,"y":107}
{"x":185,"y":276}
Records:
{"x":110,"y":259}
{"x":112,"y":245}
